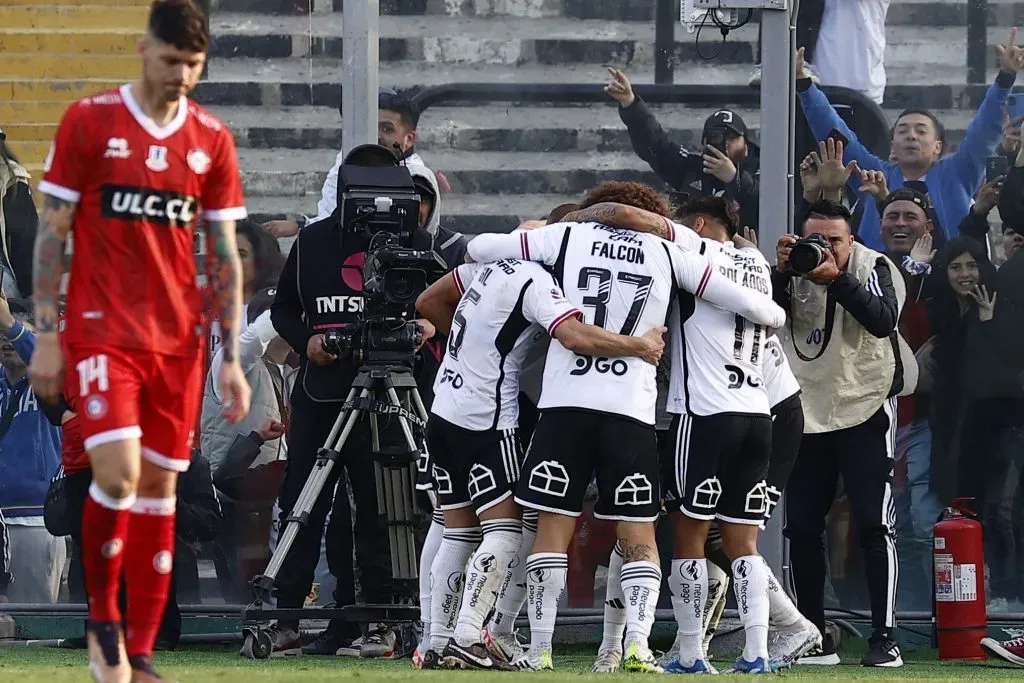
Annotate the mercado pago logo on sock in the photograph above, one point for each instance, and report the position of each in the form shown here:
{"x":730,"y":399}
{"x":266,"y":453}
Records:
{"x":639,"y":596}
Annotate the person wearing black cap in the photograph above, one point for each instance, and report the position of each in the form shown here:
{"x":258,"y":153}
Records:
{"x":397,"y":119}
{"x":18,"y":223}
{"x":727,"y":166}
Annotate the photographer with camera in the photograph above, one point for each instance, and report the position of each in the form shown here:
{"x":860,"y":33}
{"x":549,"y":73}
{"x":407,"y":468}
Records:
{"x":326,"y":309}
{"x":843,"y":301}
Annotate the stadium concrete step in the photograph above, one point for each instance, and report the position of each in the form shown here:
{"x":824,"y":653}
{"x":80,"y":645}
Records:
{"x":490,"y":128}
{"x":79,"y":16}
{"x":563,"y":41}
{"x":296,"y":81}
{"x":54,"y":90}
{"x":901,"y":12}
{"x":72,"y":41}
{"x":497,"y":128}
{"x":466,"y":213}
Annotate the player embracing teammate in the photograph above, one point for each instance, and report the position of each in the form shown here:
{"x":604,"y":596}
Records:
{"x":130,"y":172}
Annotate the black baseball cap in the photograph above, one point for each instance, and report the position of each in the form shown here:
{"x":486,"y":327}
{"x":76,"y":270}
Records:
{"x":907,"y":194}
{"x":727,"y":120}
{"x":392,"y":100}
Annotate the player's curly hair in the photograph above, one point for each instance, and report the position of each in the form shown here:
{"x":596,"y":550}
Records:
{"x":180,"y":23}
{"x":630,"y":193}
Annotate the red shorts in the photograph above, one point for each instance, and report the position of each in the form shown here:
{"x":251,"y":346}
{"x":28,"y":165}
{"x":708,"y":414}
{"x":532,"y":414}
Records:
{"x":126,"y":394}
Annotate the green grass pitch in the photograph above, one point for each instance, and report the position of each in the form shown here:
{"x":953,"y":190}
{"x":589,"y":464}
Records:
{"x":223,"y":665}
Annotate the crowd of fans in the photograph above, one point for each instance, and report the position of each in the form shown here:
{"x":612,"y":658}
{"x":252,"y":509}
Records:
{"x":953,"y":233}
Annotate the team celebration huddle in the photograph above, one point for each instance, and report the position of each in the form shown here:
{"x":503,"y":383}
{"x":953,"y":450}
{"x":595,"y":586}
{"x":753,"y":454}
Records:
{"x":609,"y":280}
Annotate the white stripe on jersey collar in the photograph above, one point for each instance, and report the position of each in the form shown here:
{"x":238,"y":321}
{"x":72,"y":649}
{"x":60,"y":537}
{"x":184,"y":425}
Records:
{"x":148,"y":124}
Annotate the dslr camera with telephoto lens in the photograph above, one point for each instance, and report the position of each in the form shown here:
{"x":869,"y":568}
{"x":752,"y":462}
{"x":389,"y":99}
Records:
{"x":807,"y":254}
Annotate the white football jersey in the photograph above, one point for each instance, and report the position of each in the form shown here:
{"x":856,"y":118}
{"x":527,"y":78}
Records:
{"x":778,"y":376}
{"x":623,"y":282}
{"x":717,"y":356}
{"x":505,"y":307}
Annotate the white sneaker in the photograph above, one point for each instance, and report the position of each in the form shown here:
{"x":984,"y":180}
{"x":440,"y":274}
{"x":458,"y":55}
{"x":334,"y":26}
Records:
{"x":639,"y":659}
{"x":608,"y":661}
{"x":504,"y":646}
{"x":671,"y":655}
{"x":535,"y":660}
{"x":286,"y":642}
{"x":351,"y":650}
{"x":379,"y":643}
{"x":792,"y":642}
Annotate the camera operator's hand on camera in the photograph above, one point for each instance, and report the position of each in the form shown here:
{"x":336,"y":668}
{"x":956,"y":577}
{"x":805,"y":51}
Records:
{"x":654,"y":342}
{"x":718,"y":165}
{"x":874,"y":184}
{"x":316,"y":353}
{"x":234,"y":392}
{"x":782,"y":249}
{"x":270,"y":429}
{"x":620,"y":89}
{"x":427,"y":330}
{"x":922,"y":251}
{"x":828,"y":272}
{"x":282,"y":228}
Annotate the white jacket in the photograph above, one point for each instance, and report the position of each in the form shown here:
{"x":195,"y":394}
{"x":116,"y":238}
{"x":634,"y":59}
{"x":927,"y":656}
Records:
{"x":329,"y":192}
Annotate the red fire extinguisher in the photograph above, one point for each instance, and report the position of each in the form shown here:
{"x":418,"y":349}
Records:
{"x":959,"y":563}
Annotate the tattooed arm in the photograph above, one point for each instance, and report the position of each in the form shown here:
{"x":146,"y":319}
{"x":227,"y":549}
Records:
{"x":46,"y":369}
{"x":625,"y":217}
{"x":48,"y":266}
{"x":226,"y":281}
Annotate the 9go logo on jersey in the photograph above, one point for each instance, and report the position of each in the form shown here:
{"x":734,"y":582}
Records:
{"x":585,"y":364}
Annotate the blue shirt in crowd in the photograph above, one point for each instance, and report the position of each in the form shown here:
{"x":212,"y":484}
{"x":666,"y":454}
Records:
{"x":30,"y":451}
{"x":952,"y":181}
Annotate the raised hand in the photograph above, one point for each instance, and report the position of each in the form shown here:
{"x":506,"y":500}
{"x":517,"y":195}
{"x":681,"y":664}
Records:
{"x":619,"y":88}
{"x":874,"y":184}
{"x":832,"y":174}
{"x":801,"y":65}
{"x":1011,"y":57}
{"x":922,"y":251}
{"x":809,"y":177}
{"x":986,"y":303}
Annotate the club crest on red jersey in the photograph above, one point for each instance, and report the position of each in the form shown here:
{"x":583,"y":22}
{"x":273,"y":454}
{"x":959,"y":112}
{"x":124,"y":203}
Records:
{"x":199,"y":161}
{"x":157,"y":159}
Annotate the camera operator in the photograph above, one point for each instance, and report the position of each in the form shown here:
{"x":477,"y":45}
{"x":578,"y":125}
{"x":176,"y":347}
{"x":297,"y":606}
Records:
{"x":844,"y":301}
{"x":312,"y":299}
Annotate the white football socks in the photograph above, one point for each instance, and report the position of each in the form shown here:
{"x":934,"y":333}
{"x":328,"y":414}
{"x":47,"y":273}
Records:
{"x":641,"y":586}
{"x":447,"y":576}
{"x":614,"y":603}
{"x":486,"y":569}
{"x":430,"y":545}
{"x":750,"y":576}
{"x":512,"y":591}
{"x":689,"y":586}
{"x":545,"y":582}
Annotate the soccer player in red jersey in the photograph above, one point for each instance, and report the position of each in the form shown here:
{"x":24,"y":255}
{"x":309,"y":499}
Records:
{"x":130,"y":173}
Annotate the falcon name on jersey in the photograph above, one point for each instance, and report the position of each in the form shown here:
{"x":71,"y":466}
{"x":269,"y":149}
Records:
{"x":717,"y":355}
{"x":622,"y":281}
{"x":505,"y":307}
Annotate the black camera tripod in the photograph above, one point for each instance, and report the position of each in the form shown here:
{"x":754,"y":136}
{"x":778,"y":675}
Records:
{"x":378,"y":390}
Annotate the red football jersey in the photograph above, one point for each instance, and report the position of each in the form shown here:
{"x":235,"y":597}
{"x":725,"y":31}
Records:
{"x":140,"y":189}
